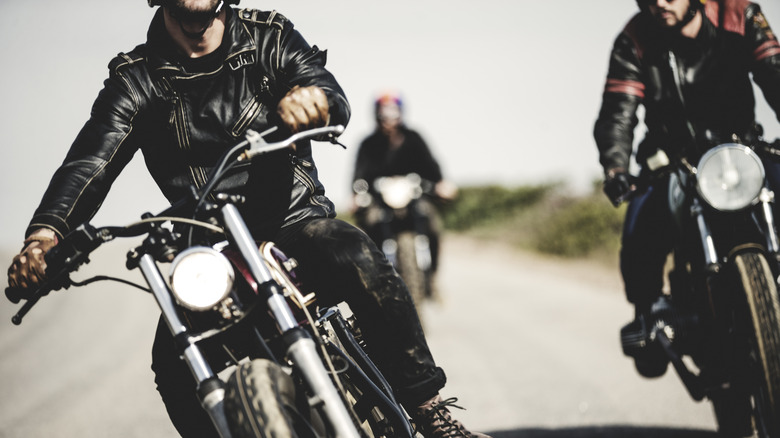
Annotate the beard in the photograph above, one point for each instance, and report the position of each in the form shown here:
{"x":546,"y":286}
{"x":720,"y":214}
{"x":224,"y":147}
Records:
{"x":193,"y":11}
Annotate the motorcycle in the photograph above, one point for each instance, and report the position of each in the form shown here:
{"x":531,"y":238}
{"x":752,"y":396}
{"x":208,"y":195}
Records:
{"x":297,"y":369}
{"x":719,"y":323}
{"x":396,"y":216}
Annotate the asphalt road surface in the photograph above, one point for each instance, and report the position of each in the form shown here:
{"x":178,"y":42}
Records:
{"x":530,"y":347}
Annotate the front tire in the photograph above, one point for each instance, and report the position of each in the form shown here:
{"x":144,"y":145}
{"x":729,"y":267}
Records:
{"x":411,"y":273}
{"x":760,"y":289}
{"x":260,"y":401}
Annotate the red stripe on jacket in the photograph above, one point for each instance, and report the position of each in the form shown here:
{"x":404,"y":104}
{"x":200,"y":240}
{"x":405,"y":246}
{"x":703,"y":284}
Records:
{"x":634,"y":88}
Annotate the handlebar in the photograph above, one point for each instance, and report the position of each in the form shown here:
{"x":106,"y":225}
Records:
{"x":258,"y":145}
{"x":74,"y":250}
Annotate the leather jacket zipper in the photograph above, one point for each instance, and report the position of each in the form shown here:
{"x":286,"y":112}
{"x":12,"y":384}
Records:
{"x":247,"y":115}
{"x":300,"y":173}
{"x":250,"y":111}
{"x":178,"y":118}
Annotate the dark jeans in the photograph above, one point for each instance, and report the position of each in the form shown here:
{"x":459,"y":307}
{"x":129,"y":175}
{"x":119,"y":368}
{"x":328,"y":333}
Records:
{"x":647,"y":238}
{"x":345,"y":265}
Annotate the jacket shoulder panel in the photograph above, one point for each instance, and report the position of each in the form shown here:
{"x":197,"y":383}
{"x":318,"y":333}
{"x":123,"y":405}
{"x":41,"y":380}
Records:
{"x":732,"y":13}
{"x":639,"y":34}
{"x":125,"y":59}
{"x":267,"y":18}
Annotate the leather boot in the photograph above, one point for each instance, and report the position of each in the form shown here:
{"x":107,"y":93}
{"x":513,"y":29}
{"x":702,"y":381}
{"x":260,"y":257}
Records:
{"x":433,"y":420}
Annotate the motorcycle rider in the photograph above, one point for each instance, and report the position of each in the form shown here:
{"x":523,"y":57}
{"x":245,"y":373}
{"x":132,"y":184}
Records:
{"x":689,"y":64}
{"x":393,"y":149}
{"x":206,"y":74}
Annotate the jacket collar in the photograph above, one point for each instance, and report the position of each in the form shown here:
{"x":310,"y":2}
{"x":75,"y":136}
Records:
{"x":164,"y":55}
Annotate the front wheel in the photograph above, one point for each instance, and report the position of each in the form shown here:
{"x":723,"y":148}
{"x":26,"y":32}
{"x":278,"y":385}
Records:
{"x":260,"y":401}
{"x":416,"y":279}
{"x":757,"y":280}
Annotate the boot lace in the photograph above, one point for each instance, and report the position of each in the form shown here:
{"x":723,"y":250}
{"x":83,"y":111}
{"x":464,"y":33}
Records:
{"x":437,"y":421}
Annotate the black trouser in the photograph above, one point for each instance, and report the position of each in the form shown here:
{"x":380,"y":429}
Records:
{"x":646,"y":242}
{"x":345,"y":265}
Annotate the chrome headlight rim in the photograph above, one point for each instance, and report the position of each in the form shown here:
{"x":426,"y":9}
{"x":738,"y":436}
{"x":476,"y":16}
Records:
{"x":714,"y":185}
{"x":200,"y":289}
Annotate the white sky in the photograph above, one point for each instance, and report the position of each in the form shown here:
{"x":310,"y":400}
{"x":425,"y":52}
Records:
{"x":503,"y":91}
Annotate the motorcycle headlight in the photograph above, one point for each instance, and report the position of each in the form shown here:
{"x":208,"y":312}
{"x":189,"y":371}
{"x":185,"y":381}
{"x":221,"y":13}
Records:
{"x":201,"y":277}
{"x":730,"y":177}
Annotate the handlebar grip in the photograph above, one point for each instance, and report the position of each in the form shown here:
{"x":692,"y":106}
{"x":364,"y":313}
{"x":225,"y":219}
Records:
{"x":16,"y":294}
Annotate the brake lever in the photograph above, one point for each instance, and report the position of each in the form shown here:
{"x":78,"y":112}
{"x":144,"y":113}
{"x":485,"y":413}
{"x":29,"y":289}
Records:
{"x":63,"y":259}
{"x":62,"y":279}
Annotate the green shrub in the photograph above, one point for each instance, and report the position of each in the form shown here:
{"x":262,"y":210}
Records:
{"x":493,"y":204}
{"x":581,"y":227}
{"x":539,"y":218}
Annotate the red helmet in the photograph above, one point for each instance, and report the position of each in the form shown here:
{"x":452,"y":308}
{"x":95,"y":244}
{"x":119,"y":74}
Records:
{"x":388,"y":104}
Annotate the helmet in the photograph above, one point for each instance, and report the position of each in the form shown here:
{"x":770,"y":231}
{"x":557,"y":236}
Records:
{"x":388,"y":105}
{"x":153,"y":3}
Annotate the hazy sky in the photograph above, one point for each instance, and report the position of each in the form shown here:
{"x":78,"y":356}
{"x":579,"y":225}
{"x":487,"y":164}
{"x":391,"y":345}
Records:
{"x":503,"y":91}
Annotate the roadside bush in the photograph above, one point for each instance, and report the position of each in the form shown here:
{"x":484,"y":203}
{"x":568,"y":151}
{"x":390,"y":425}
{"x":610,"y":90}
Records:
{"x":490,"y":205}
{"x":581,"y":227}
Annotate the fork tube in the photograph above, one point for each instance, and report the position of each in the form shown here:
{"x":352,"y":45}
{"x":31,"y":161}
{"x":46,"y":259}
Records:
{"x":301,"y":349}
{"x":766,"y":198}
{"x":246,"y":245}
{"x":710,"y":255}
{"x":200,"y":369}
{"x":210,"y":389}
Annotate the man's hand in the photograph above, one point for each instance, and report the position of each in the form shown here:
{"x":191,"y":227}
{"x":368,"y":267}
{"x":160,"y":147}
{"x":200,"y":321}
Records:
{"x":28,"y":268}
{"x":617,"y":186}
{"x":304,"y":108}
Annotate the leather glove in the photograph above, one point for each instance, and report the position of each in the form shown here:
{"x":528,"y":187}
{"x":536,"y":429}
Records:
{"x":617,"y":186}
{"x":28,"y":268}
{"x":304,"y":108}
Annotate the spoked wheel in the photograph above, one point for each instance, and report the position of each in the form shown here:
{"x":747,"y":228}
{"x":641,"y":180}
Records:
{"x":260,"y":401}
{"x":760,"y":289}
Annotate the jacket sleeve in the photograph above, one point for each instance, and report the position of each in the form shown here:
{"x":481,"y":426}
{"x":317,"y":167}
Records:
{"x":623,"y":93}
{"x":424,"y":163}
{"x":96,"y":157}
{"x":766,"y":56}
{"x":304,"y":65}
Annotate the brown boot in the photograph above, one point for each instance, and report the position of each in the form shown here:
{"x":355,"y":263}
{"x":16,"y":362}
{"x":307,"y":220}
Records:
{"x":434,"y":420}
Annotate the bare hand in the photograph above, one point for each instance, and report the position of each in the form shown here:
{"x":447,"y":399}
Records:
{"x":304,"y":108}
{"x":28,"y":268}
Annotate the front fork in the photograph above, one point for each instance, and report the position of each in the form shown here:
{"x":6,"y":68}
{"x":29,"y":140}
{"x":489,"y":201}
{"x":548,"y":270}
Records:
{"x":764,"y":218}
{"x":301,"y":349}
{"x":210,"y":388}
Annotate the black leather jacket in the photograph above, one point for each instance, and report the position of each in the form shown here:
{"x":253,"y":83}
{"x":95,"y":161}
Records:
{"x":376,"y":158}
{"x":715,"y":96}
{"x":182,"y":121}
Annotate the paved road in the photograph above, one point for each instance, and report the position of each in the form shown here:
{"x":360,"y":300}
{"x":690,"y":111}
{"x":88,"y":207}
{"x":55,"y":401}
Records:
{"x":530,"y":348}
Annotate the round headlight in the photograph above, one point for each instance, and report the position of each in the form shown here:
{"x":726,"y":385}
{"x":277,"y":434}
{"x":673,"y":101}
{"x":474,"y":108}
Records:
{"x":730,"y":177}
{"x":201,"y":277}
